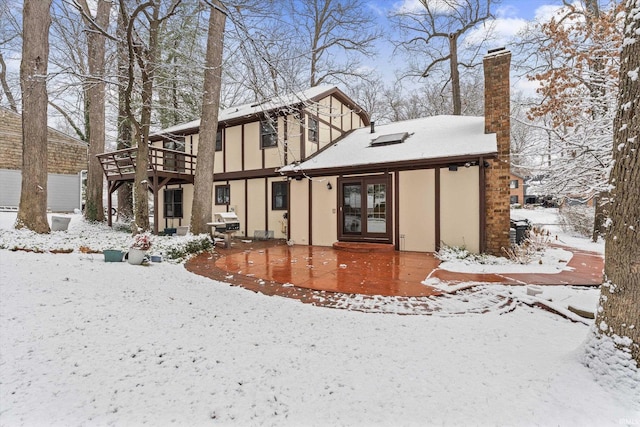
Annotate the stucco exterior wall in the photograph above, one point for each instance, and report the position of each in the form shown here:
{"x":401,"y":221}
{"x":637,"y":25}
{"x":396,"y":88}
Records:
{"x":460,"y":208}
{"x":324,"y":211}
{"x":252,"y":150}
{"x":233,"y":148}
{"x":417,"y":210}
{"x":299,"y":212}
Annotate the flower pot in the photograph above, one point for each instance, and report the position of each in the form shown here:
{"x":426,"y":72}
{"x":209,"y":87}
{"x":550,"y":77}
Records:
{"x":111,"y":255}
{"x":136,"y":256}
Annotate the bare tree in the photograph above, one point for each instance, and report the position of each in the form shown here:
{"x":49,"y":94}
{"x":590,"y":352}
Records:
{"x":95,"y":99}
{"x":334,"y":29}
{"x":619,"y":311}
{"x":203,"y":184}
{"x":148,"y":15}
{"x":10,"y":33}
{"x":32,"y":212}
{"x":436,"y":32}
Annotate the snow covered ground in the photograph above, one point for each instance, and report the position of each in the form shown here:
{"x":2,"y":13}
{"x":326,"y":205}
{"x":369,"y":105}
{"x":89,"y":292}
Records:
{"x":84,"y":342}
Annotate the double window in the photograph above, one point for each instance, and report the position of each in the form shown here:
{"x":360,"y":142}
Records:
{"x":269,"y":133}
{"x":223,"y":195}
{"x":279,"y":196}
{"x":173,"y":203}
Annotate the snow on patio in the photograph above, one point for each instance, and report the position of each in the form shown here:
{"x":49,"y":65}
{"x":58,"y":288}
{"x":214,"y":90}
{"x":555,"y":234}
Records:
{"x":94,"y":343}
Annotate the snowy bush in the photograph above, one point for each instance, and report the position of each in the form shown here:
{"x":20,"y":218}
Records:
{"x":577,"y":219}
{"x":536,"y":241}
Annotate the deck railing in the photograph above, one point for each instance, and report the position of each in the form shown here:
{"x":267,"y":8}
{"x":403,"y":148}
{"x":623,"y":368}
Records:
{"x":122,"y":163}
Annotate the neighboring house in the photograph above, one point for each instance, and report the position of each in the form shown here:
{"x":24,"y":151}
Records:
{"x":67,"y":158}
{"x":253,"y":141}
{"x":414,"y":184}
{"x":517,"y":189}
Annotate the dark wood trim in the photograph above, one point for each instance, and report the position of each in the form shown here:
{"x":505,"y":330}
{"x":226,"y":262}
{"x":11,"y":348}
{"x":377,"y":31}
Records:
{"x":482,"y":191}
{"x":303,"y":136}
{"x":310,"y":212}
{"x":396,"y":208}
{"x":240,"y":175}
{"x":246,"y":208}
{"x":437,"y":208}
{"x":441,"y":162}
{"x":286,"y":140}
{"x":331,"y":127}
{"x":288,"y":209}
{"x":242,"y":148}
{"x":266,"y":204}
{"x":366,"y":236}
{"x":333,"y":92}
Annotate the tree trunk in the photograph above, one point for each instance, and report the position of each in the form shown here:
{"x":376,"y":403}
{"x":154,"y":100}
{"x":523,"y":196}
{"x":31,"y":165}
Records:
{"x":125,"y":131}
{"x":147,"y":60}
{"x":619,"y":311}
{"x":455,"y":75}
{"x":95,"y":94}
{"x":32,"y":212}
{"x":203,"y":185}
{"x":600,"y":203}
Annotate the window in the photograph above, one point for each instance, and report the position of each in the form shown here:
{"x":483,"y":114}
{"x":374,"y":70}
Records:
{"x":173,"y":203}
{"x":223,"y":195}
{"x":514,"y":183}
{"x":219,"y":140}
{"x":279,"y":195}
{"x":174,"y":161}
{"x":269,"y":133}
{"x":313,"y":130}
{"x":514,"y":200}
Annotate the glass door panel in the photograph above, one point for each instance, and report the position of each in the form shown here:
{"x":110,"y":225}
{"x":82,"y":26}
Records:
{"x":376,"y":208}
{"x":352,"y":209}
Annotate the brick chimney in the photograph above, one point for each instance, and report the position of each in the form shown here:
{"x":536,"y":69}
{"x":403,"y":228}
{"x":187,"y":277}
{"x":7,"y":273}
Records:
{"x":497,"y":112}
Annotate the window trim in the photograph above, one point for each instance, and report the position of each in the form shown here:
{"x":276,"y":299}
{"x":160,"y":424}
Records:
{"x":269,"y":132}
{"x":285,"y":185}
{"x":221,"y":145}
{"x":312,"y":131}
{"x":228,"y":194}
{"x":173,"y":202}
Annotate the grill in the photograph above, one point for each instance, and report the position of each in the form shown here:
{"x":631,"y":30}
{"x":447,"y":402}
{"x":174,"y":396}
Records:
{"x":224,"y":222}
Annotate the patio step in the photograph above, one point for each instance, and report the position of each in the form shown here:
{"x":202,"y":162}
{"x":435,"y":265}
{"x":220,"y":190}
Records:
{"x":363,"y":247}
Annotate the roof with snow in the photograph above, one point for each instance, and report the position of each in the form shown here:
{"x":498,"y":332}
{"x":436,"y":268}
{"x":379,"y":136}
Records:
{"x":430,"y":138}
{"x":254,"y":108}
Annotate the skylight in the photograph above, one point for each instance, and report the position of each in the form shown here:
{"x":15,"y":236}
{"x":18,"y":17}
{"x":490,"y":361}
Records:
{"x":392,"y":138}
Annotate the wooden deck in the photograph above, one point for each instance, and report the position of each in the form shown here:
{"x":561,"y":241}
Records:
{"x":166,"y":167}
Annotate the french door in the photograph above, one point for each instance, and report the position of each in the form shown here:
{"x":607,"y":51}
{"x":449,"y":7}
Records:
{"x":364,"y":209}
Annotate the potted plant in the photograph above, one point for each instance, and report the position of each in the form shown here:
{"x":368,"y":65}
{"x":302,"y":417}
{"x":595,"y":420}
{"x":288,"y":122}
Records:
{"x":138,"y":250}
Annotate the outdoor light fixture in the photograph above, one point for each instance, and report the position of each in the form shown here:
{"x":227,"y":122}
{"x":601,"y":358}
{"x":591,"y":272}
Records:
{"x":466,"y":165}
{"x":453,"y":168}
{"x":329,"y":186}
{"x":486,"y":164}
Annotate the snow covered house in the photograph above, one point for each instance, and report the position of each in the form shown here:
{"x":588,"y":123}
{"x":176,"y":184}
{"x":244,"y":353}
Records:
{"x":413,"y":184}
{"x":253,"y":142}
{"x":307,"y":167}
{"x":67,"y":159}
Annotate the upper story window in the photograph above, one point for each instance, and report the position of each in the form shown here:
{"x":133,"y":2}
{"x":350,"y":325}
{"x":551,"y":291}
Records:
{"x":268,"y":133}
{"x":312,"y":128}
{"x":514,"y":183}
{"x":219,"y":140}
{"x":174,"y":143}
